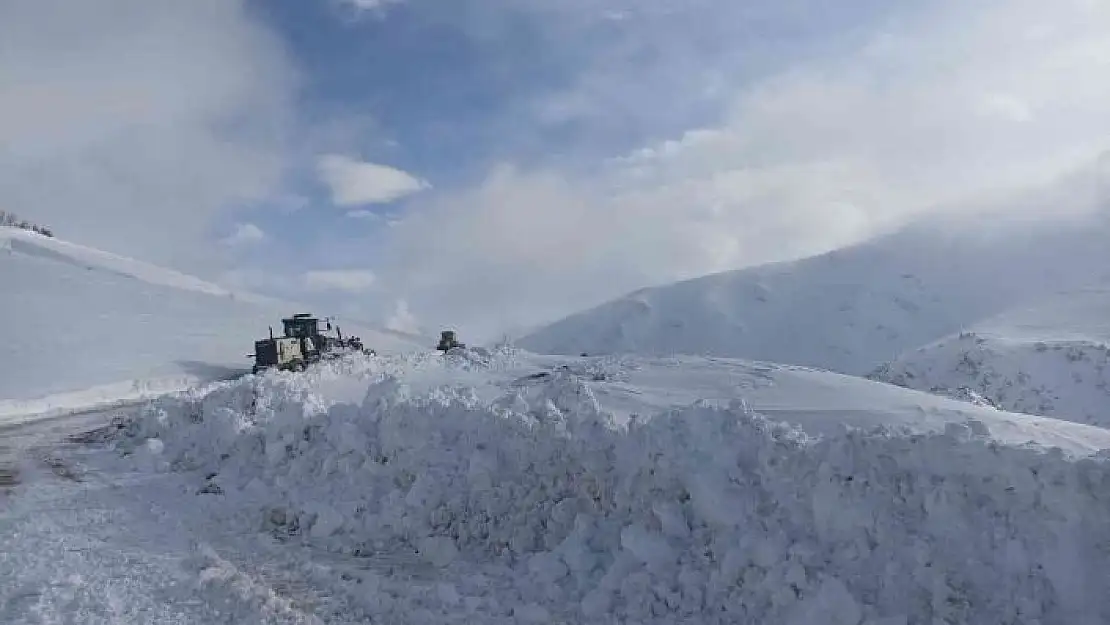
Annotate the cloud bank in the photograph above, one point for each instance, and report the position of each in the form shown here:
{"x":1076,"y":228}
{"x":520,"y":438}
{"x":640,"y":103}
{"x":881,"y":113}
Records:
{"x":934,"y":113}
{"x":354,"y":183}
{"x":135,"y":123}
{"x":637,"y":142}
{"x":348,"y":280}
{"x":245,"y":234}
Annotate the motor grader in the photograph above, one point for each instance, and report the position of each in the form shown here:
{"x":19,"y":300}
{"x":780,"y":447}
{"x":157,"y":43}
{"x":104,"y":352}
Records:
{"x":448,"y":340}
{"x":302,"y":344}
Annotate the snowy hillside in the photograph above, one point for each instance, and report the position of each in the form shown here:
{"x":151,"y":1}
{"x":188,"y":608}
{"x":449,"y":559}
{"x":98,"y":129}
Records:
{"x":508,"y":488}
{"x":1052,"y":358}
{"x":849,"y":310}
{"x":81,"y":326}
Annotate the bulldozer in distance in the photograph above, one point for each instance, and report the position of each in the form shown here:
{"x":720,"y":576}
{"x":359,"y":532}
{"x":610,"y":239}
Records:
{"x":303,"y":344}
{"x":448,"y":340}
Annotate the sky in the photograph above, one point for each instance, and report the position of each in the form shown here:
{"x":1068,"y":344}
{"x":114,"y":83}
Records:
{"x":492,"y":165}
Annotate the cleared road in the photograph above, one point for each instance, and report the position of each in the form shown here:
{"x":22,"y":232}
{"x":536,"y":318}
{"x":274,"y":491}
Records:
{"x":26,"y":444}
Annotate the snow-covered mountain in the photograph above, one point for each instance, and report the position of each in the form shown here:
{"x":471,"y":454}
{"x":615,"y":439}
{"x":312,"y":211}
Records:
{"x":81,"y":326}
{"x":852,"y":309}
{"x":1050,"y":358}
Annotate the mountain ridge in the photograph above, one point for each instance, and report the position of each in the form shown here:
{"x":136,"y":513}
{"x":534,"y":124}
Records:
{"x":848,"y":310}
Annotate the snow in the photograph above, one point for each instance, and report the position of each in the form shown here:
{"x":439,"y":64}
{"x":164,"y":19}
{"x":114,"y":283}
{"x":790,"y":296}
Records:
{"x":1051,"y":358}
{"x":16,"y":411}
{"x":849,"y":310}
{"x":80,"y":327}
{"x":503,"y":487}
{"x":494,"y":485}
{"x":34,"y":245}
{"x":100,"y":545}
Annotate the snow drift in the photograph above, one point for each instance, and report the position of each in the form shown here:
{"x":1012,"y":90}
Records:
{"x":1052,"y":358}
{"x":849,"y":310}
{"x":80,"y":326}
{"x":538,"y":506}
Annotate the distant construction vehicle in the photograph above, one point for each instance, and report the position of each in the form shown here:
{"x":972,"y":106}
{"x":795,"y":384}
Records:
{"x":448,"y":341}
{"x":302,"y":345}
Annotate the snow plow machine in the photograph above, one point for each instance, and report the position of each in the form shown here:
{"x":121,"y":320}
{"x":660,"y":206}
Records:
{"x":303,"y":344}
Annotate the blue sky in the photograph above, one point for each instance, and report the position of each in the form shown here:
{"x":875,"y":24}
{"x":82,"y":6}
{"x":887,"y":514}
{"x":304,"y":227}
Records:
{"x":447,"y":91}
{"x":459,"y":84}
{"x":494,"y":164}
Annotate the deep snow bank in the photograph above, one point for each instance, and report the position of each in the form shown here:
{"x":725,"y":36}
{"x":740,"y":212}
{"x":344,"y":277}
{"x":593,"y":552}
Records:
{"x":536,"y":507}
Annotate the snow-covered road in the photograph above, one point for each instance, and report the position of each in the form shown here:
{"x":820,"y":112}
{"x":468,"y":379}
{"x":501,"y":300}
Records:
{"x":22,"y":441}
{"x":84,"y":541}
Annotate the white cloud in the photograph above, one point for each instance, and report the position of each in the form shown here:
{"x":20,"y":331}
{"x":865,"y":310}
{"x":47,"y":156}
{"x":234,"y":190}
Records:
{"x":269,"y":281}
{"x":346,"y":280}
{"x":402,"y":319}
{"x":288,"y":204}
{"x":354,"y":183}
{"x":979,"y":99}
{"x":245,"y":234}
{"x":967,"y":101}
{"x":372,"y":217}
{"x":369,"y":5}
{"x":362,"y":213}
{"x":1005,"y":106}
{"x":130,"y":124}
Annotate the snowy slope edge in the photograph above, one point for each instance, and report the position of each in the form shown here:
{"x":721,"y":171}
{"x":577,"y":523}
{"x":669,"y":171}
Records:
{"x":18,"y":411}
{"x":32,"y":244}
{"x":81,"y":328}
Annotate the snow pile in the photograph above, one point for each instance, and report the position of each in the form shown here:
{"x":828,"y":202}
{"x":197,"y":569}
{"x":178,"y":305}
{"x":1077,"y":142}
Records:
{"x":481,"y":358}
{"x":81,"y":327}
{"x":538,"y":507}
{"x":849,"y":310}
{"x":1051,"y":359}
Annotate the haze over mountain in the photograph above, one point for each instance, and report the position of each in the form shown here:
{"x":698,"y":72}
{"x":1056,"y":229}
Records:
{"x":852,"y":309}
